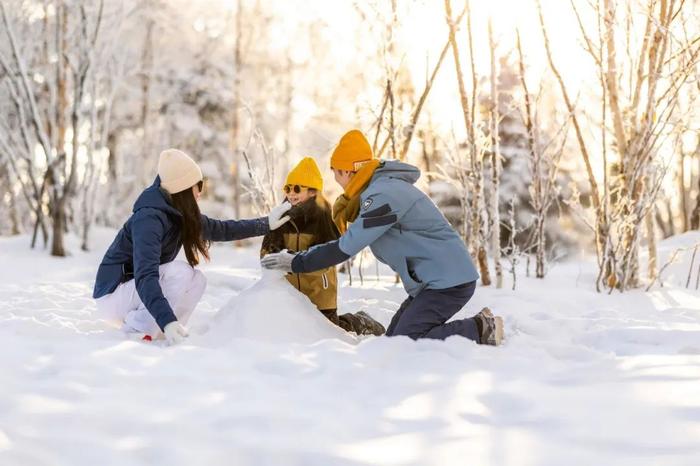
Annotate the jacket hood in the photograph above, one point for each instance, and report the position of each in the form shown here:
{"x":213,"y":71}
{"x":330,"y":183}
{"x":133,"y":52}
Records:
{"x":398,"y":170}
{"x":157,"y":198}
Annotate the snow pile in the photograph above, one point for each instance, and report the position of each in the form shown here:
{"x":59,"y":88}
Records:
{"x":273,"y":311}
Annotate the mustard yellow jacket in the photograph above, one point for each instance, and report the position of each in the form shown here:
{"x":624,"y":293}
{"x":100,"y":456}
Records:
{"x":311,"y":224}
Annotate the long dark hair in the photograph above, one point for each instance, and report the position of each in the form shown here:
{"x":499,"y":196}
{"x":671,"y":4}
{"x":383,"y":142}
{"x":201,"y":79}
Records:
{"x":192,"y":240}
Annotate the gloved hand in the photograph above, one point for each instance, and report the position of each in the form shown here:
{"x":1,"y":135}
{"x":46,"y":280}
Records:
{"x":175,"y":333}
{"x":278,"y":261}
{"x":275,"y":219}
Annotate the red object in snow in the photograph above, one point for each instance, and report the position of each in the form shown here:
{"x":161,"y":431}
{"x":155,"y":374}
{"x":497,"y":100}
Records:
{"x":147,"y":338}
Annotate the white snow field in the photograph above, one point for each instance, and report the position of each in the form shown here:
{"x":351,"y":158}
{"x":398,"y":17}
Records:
{"x":583,"y":379}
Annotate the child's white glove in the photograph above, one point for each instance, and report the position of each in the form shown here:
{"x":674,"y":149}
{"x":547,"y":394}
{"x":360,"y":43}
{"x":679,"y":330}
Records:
{"x":275,"y":219}
{"x":278,"y":261}
{"x":175,"y":333}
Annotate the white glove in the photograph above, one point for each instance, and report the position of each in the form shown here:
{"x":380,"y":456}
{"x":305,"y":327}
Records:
{"x":175,"y":333}
{"x":278,"y":261}
{"x":275,"y":219}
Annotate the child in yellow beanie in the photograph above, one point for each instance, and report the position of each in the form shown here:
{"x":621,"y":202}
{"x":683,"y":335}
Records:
{"x":311,"y":224}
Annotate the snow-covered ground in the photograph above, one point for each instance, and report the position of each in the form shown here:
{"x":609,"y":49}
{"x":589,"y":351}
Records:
{"x":584,"y":378}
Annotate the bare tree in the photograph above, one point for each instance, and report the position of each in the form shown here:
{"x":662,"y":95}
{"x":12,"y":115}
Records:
{"x":642,"y":119}
{"x":477,"y":239}
{"x":513,"y":253}
{"x":394,"y":129}
{"x":545,"y":156}
{"x":6,"y":181}
{"x":44,"y":118}
{"x":695,"y":215}
{"x":494,"y":220}
{"x":261,"y":173}
{"x":238,"y":65}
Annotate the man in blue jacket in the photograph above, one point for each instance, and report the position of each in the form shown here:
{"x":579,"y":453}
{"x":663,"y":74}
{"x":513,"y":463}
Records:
{"x":405,"y":230}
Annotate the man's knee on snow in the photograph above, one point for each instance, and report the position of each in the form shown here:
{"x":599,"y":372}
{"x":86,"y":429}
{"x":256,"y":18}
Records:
{"x":406,"y":330}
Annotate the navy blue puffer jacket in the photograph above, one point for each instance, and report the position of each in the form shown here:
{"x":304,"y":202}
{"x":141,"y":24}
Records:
{"x":151,"y":237}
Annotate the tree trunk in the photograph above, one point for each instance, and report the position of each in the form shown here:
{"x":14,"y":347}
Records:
{"x":56,"y":203}
{"x":40,"y":213}
{"x":630,"y":260}
{"x":476,"y":239}
{"x":58,"y":217}
{"x":392,"y":127}
{"x":602,"y":227}
{"x":62,"y":84}
{"x":146,"y":78}
{"x":651,"y":244}
{"x":235,"y":154}
{"x":695,"y":216}
{"x":106,"y":213}
{"x":87,"y":217}
{"x":484,"y":267}
{"x":671,"y":226}
{"x":423,"y":135}
{"x":494,"y":217}
{"x":683,"y":194}
{"x":12,"y":204}
{"x":391,"y":27}
{"x":540,"y":250}
{"x":13,"y":215}
{"x":112,"y":160}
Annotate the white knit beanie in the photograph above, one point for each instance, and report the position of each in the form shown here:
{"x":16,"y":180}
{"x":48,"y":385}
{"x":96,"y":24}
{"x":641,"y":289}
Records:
{"x":177,"y":171}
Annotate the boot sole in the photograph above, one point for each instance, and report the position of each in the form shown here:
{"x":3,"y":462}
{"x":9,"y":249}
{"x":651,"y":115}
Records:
{"x":499,"y":330}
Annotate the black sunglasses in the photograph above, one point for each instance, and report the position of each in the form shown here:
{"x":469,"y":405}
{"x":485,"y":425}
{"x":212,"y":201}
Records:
{"x":296,"y":188}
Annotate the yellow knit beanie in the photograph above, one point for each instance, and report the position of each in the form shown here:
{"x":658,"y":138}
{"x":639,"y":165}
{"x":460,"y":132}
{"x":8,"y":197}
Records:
{"x":306,"y":173}
{"x":177,"y":171}
{"x":352,"y":152}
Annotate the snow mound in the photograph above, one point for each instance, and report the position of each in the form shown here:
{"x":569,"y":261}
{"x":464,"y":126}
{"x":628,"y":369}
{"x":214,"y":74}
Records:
{"x":273,"y":311}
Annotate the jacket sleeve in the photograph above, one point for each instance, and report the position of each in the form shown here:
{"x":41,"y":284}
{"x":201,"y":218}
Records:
{"x":318,"y":257}
{"x":231,"y":230}
{"x":377,"y":215}
{"x":147,"y":231}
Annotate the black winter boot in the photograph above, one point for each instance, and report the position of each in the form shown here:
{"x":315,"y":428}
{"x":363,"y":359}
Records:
{"x":361,"y":323}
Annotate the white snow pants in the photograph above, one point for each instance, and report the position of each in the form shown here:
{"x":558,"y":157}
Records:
{"x":182,"y":285}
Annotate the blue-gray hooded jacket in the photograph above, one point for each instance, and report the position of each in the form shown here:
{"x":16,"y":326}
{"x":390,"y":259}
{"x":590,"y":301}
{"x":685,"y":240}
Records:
{"x":404,"y":229}
{"x":151,"y":237}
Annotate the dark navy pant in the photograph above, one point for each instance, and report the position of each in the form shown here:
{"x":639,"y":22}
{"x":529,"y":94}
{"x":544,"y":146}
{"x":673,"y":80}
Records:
{"x":424,"y":315}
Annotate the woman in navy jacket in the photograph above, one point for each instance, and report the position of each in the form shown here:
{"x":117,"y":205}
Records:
{"x":139,"y":283}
